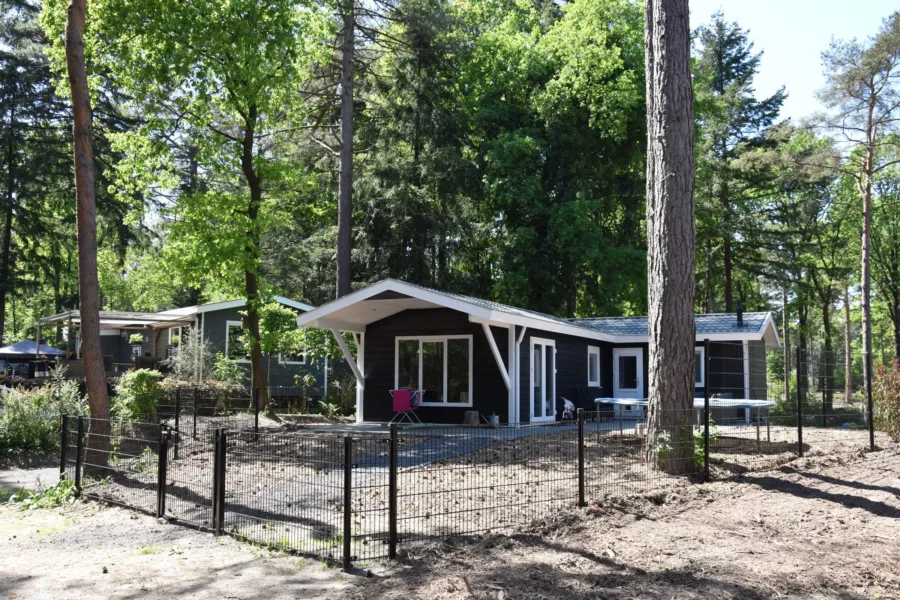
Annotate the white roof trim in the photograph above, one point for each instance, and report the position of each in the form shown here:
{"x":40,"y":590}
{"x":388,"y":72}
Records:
{"x":320,"y":318}
{"x":228,"y":304}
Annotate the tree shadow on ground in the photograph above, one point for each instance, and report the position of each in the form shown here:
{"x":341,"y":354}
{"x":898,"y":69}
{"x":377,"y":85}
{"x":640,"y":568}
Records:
{"x":775,"y":484}
{"x":843,"y":482}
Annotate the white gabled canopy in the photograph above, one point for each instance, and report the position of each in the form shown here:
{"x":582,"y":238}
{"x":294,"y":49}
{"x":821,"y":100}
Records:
{"x":389,"y":296}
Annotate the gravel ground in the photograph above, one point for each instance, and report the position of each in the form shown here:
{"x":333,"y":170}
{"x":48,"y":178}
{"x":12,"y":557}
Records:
{"x":86,"y":551}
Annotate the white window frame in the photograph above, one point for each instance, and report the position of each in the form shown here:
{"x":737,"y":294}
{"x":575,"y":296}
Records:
{"x":434,"y":338}
{"x":593,"y":351}
{"x":292,"y":362}
{"x":171,"y":329}
{"x":228,"y":326}
{"x":700,"y":354}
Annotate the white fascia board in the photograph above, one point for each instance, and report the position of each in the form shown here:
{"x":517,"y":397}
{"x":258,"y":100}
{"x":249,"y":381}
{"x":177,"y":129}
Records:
{"x":770,"y":324}
{"x":293,"y":303}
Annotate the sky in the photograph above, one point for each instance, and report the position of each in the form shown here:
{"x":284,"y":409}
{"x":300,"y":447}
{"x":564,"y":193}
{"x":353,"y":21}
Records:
{"x":792,"y":35}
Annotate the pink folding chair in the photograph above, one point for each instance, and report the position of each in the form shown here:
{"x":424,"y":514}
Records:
{"x":405,"y":404}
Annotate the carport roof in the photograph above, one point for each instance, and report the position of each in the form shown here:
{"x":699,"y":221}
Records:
{"x":114,"y":319}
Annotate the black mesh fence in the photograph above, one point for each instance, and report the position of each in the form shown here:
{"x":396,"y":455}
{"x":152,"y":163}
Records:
{"x":346,"y":493}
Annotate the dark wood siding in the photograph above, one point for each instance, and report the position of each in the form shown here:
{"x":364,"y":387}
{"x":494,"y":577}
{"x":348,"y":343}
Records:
{"x":758,"y":386}
{"x":489,"y":393}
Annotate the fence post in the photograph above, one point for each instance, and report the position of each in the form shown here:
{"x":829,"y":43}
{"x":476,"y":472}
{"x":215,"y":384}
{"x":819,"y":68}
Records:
{"x":581,"y":501}
{"x":63,"y":446}
{"x":177,"y":420}
{"x":799,"y":404}
{"x":223,"y":456}
{"x":870,"y":404}
{"x":392,"y":492}
{"x":161,"y":473}
{"x":256,"y":410}
{"x":194,"y":426}
{"x":348,"y":513}
{"x":706,"y":410}
{"x":215,"y":478}
{"x":79,"y":451}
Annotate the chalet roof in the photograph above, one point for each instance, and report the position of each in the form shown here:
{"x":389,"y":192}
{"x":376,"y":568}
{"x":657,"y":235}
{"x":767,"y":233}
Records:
{"x":706,"y":324}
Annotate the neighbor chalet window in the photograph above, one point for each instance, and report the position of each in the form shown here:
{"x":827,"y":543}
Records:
{"x":699,"y":375}
{"x":234,"y":342}
{"x":439,"y":367}
{"x":593,"y":366}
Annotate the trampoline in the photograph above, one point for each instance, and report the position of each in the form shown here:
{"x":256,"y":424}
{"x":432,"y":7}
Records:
{"x":623,"y":411}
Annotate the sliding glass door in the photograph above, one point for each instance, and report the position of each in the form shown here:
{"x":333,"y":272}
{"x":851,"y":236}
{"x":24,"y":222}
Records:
{"x":543,"y":379}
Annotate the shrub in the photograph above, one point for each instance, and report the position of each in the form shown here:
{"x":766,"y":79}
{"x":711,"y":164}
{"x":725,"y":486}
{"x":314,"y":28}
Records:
{"x":31,"y":418}
{"x":137,"y":394}
{"x":227,"y":371}
{"x":886,"y":398}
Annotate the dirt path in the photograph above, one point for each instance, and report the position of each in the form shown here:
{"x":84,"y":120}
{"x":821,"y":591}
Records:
{"x":817,"y":528}
{"x":88,"y":551}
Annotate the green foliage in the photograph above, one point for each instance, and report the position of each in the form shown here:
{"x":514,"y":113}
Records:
{"x":886,"y":398}
{"x":700,"y":446}
{"x":136,"y":338}
{"x":278,"y":332}
{"x":30,"y":420}
{"x":328,"y":409}
{"x":225,"y":370}
{"x":137,"y":395}
{"x":50,"y":497}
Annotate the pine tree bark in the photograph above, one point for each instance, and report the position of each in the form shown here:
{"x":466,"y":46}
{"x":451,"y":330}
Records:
{"x":7,"y":228}
{"x":848,"y":349}
{"x":670,"y":234}
{"x":86,"y":217}
{"x":345,"y":182}
{"x":786,"y":335}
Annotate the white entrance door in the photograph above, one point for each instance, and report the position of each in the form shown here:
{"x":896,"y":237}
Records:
{"x":628,"y":375}
{"x":543,"y":379}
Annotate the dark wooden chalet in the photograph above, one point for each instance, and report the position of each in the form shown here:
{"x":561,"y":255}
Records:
{"x":467,"y":354}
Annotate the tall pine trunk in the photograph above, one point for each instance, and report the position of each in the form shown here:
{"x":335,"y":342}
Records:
{"x":827,"y":362}
{"x":670,"y":234}
{"x":7,"y":227}
{"x":345,"y":182}
{"x":848,"y":349}
{"x":866,"y":192}
{"x":786,"y":329}
{"x":86,"y":218}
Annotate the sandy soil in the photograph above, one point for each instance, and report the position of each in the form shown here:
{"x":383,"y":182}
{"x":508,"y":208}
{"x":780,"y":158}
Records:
{"x":821,"y":527}
{"x":88,"y":551}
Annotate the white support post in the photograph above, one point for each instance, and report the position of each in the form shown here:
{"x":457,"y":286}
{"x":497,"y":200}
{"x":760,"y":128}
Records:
{"x":360,"y":383}
{"x":496,"y":351}
{"x":348,"y":356}
{"x":513,"y":373}
{"x":518,"y":380}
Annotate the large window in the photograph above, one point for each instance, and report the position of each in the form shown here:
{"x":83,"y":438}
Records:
{"x":699,"y":371}
{"x":235,"y":348}
{"x":439,"y":367}
{"x":593,"y":366}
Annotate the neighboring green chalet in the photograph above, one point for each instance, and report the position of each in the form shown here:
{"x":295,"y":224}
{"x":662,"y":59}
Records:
{"x":162,"y":333}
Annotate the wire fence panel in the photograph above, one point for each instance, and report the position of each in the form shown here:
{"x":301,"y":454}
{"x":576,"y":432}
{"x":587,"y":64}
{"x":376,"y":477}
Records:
{"x":465,"y":480}
{"x":189,"y":475}
{"x":120,"y":462}
{"x":285,"y":491}
{"x":369,"y":496}
{"x":622,"y":457}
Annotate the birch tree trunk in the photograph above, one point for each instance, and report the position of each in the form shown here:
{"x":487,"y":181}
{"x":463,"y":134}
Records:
{"x":670,"y":234}
{"x":345,"y":183}
{"x":86,"y":217}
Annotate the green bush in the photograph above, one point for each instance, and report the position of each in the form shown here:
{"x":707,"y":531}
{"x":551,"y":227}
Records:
{"x":31,"y":418}
{"x":137,"y":394}
{"x":886,"y":398}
